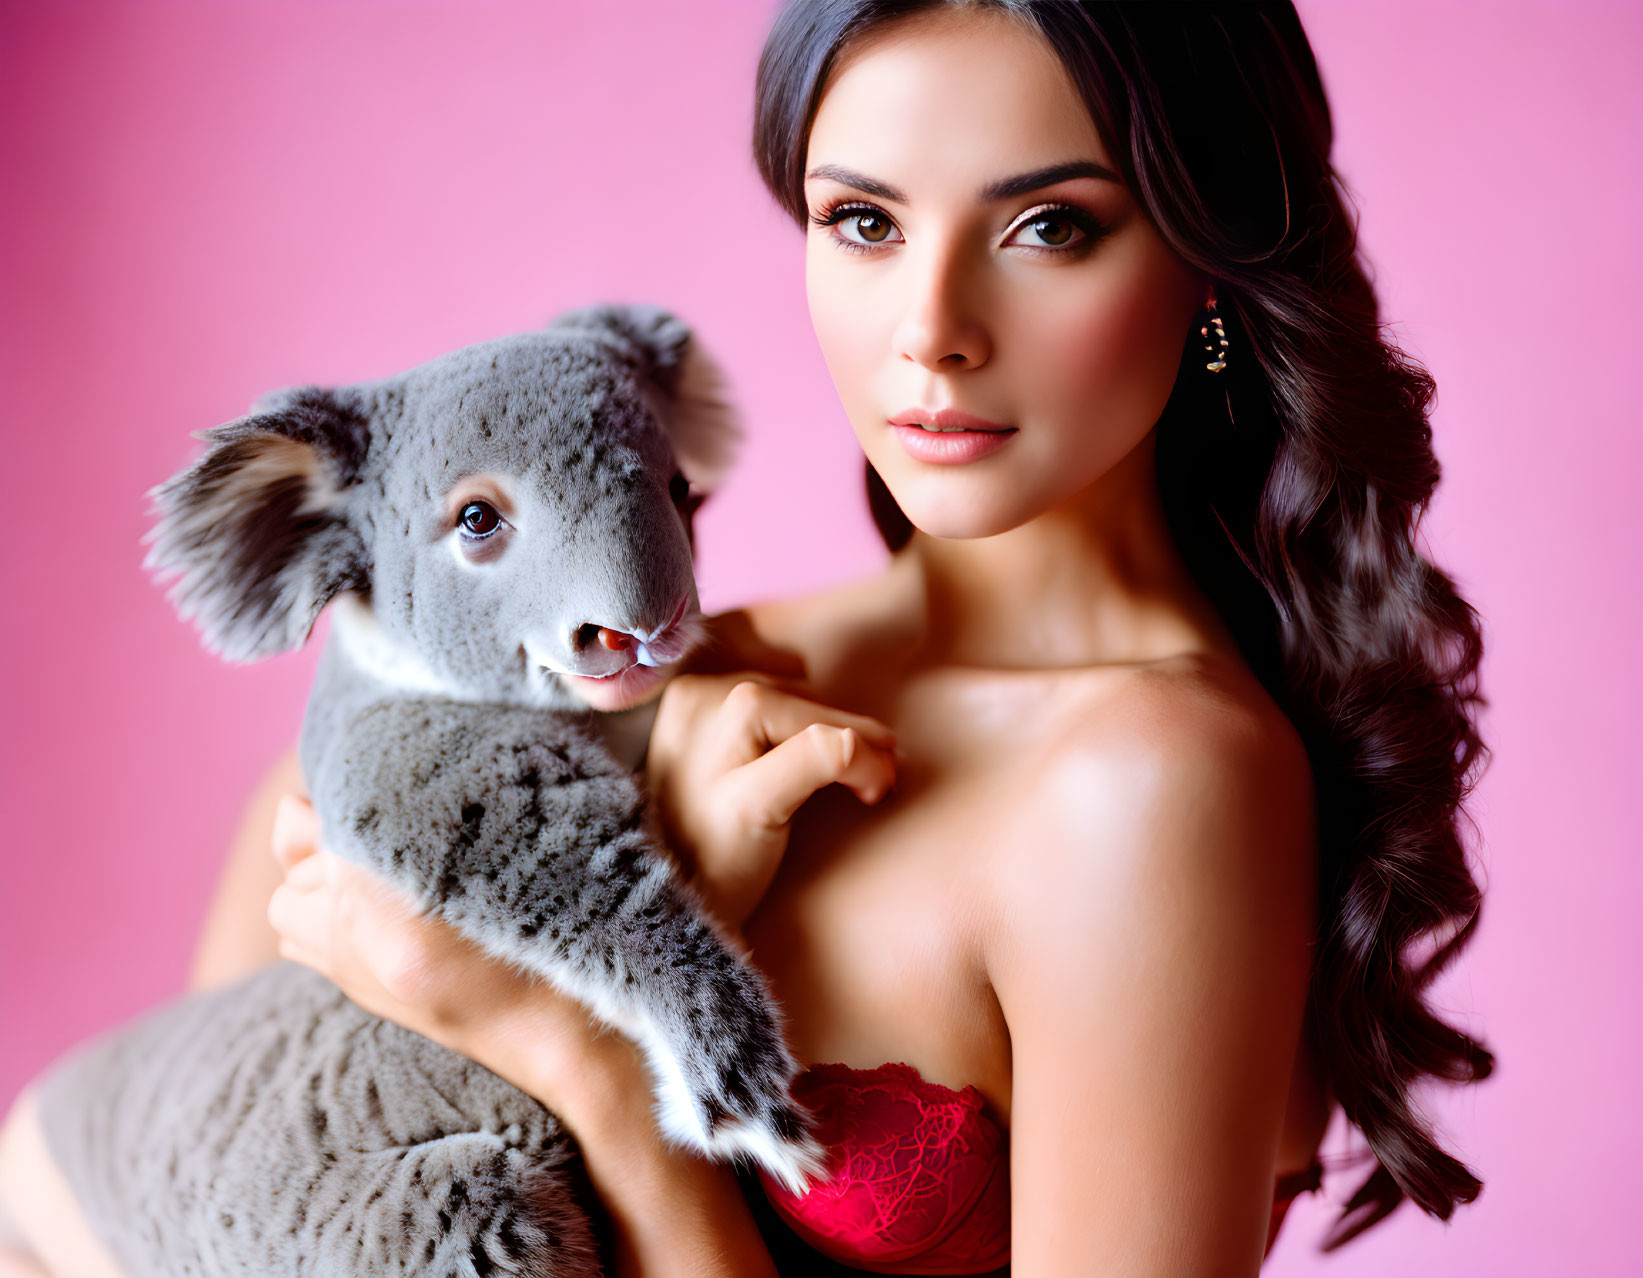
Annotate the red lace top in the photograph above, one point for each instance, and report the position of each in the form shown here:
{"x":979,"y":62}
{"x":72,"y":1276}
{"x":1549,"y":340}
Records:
{"x":919,"y":1178}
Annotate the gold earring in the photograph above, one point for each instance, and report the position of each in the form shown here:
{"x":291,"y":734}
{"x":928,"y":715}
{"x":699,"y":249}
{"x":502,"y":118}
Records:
{"x":1219,"y":356}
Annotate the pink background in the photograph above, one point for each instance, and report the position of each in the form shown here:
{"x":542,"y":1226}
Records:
{"x":204,"y":201}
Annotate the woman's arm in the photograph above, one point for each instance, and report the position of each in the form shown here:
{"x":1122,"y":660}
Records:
{"x":236,"y":939}
{"x":1153,"y":970}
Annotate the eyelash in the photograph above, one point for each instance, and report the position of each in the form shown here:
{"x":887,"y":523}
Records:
{"x":843,"y":209}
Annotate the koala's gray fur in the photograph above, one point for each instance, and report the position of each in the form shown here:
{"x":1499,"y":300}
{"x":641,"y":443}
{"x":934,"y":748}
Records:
{"x":275,"y":1128}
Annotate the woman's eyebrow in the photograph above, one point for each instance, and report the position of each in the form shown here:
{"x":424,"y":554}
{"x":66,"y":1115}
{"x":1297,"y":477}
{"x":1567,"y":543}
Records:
{"x":1003,"y":189}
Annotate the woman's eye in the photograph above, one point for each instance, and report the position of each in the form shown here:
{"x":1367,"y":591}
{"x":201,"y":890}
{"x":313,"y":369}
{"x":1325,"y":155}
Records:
{"x":1058,"y":228}
{"x":1053,"y":228}
{"x":872,"y":226}
{"x":479,"y":519}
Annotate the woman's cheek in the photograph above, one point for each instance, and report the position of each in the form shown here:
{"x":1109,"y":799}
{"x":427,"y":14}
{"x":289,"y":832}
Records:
{"x":854,"y":352}
{"x":1108,"y":367}
{"x":844,"y":330}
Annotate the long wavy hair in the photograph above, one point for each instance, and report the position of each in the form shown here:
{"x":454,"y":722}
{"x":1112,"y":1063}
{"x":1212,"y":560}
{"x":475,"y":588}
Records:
{"x":1294,"y":482}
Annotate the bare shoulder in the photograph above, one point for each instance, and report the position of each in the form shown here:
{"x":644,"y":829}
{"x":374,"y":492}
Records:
{"x":1166,"y":729}
{"x":1184,"y":775}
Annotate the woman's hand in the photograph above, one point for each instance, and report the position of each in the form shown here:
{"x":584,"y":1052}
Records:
{"x":732,"y":757}
{"x":371,"y":940}
{"x":411,"y":968}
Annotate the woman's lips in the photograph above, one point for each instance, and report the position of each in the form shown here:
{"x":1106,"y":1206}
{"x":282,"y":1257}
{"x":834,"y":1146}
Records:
{"x":945,"y":419}
{"x":958,"y":437}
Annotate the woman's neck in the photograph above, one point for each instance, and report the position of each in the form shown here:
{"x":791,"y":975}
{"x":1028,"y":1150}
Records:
{"x":1096,"y":580}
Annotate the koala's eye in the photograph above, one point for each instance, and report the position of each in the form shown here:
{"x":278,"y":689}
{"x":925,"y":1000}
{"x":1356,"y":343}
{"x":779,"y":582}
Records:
{"x":678,"y":488}
{"x":479,"y":519}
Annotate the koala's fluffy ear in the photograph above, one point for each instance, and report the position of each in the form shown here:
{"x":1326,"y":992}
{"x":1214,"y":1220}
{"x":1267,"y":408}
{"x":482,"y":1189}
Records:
{"x":694,"y":403}
{"x":255,"y":528}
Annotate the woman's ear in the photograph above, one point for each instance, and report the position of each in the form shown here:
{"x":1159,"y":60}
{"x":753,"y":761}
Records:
{"x":255,"y":528}
{"x":686,"y":387}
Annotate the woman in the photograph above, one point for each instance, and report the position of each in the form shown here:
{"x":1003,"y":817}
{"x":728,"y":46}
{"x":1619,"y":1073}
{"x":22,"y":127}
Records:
{"x":1177,"y":717}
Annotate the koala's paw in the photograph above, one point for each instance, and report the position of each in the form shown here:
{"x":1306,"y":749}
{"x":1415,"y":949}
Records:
{"x":723,"y":1071}
{"x":734,"y":1116}
{"x":779,"y":1143}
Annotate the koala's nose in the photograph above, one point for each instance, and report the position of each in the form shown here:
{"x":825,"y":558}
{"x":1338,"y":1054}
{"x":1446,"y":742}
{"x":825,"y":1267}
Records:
{"x":604,"y":636}
{"x":598,"y":649}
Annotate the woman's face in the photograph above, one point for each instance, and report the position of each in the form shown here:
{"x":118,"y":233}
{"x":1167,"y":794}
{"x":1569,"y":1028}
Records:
{"x":1050,"y":306}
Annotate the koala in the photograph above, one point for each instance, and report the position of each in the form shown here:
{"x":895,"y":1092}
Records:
{"x":503,"y":536}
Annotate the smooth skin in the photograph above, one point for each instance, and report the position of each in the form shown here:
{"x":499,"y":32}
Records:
{"x":1089,"y":890}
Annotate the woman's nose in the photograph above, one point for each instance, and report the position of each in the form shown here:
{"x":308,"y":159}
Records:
{"x":941,"y":328}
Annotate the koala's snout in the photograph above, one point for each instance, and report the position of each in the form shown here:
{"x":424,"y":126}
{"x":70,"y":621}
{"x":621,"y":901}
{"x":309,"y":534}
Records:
{"x":601,"y":650}
{"x":619,"y":641}
{"x":595,"y":649}
{"x":611,"y":667}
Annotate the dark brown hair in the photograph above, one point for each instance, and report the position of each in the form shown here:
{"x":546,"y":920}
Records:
{"x":1294,"y":483}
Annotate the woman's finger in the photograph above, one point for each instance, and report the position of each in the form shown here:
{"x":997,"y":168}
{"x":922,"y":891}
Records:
{"x":302,"y":918}
{"x":309,"y":874}
{"x":768,"y":790}
{"x":758,"y":717}
{"x":296,"y":830}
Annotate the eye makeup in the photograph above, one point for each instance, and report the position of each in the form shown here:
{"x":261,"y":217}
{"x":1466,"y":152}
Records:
{"x":845,"y":210}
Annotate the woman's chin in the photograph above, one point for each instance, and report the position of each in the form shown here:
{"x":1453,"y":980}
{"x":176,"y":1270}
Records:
{"x":942,"y":505}
{"x":942,"y":520}
{"x":632,"y":687}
